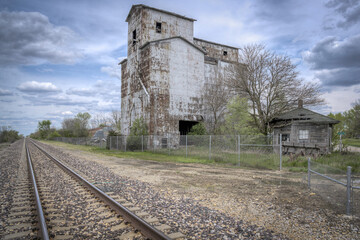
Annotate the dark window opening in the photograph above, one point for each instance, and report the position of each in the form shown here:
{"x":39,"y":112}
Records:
{"x":184,"y":129}
{"x":225,"y":53}
{"x":134,"y":37}
{"x":158,"y":27}
{"x":185,"y":126}
{"x":164,"y":143}
{"x":285,"y":137}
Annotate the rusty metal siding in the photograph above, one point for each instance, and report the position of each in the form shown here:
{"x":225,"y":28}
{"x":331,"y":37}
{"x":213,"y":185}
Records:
{"x":216,"y":51}
{"x":162,"y":81}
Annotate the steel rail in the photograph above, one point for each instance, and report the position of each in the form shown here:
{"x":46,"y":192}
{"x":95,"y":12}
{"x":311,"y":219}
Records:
{"x":40,"y":213}
{"x":138,"y":223}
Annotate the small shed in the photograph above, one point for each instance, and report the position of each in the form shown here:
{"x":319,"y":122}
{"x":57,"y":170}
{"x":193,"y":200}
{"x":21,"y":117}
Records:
{"x":303,"y":131}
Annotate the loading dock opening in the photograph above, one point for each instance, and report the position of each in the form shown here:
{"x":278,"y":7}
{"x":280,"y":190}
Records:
{"x":185,"y":126}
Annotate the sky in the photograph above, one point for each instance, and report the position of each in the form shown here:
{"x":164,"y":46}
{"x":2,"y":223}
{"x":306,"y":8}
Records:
{"x":59,"y":58}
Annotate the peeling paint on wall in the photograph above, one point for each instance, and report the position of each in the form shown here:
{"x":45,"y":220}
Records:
{"x":166,"y":70}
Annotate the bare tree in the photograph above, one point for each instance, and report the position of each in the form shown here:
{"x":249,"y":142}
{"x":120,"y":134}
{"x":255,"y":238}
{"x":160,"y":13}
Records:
{"x":215,"y":98}
{"x":115,"y":119}
{"x":99,"y":120}
{"x":271,"y":84}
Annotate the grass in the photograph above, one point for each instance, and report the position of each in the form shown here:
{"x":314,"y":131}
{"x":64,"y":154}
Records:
{"x":335,"y":162}
{"x":351,"y":142}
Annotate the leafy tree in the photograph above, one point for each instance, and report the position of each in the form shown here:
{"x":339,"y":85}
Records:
{"x":340,"y":127}
{"x":353,"y":120}
{"x":54,"y":134}
{"x":138,"y":129}
{"x":271,"y":84}
{"x":76,"y":127}
{"x":238,"y":118}
{"x":44,"y":128}
{"x":198,"y":129}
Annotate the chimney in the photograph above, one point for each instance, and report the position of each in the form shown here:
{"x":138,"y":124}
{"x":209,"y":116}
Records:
{"x":300,"y":103}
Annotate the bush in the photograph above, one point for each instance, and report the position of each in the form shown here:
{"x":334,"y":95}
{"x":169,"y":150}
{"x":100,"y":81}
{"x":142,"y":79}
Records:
{"x":138,"y":129}
{"x":198,"y":129}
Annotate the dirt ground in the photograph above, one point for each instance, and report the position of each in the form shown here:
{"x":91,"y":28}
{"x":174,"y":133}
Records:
{"x":279,"y":201}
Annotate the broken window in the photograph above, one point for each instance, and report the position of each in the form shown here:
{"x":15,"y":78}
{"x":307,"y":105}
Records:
{"x":225,"y":53}
{"x":134,"y":37}
{"x":158,"y":27}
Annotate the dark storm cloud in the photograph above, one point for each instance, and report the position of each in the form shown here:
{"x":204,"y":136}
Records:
{"x":339,"y":77}
{"x":29,"y":38}
{"x":331,"y":54}
{"x":349,"y":10}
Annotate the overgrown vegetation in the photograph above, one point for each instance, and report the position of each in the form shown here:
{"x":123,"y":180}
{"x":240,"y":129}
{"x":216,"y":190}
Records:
{"x":138,"y":129}
{"x":349,"y":124}
{"x":333,"y":163}
{"x":198,"y":129}
{"x":351,"y":142}
{"x":9,"y":135}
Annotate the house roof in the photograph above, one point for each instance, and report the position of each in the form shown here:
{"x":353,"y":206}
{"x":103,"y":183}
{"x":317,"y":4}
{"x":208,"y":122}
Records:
{"x":304,"y":115}
{"x":156,"y":9}
{"x":171,"y":38}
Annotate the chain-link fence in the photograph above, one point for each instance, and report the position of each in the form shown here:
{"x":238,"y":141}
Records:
{"x":338,"y":187}
{"x":247,"y":151}
{"x":82,"y":141}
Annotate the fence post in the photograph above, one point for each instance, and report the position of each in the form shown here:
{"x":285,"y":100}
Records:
{"x":167,"y":143}
{"x":280,"y":151}
{"x":309,"y":173}
{"x":238,"y":150}
{"x":210,"y":148}
{"x":142,"y":143}
{"x":185,"y":144}
{"x":348,"y":190}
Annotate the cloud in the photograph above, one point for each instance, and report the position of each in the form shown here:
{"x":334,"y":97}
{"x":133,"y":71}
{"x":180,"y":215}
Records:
{"x":339,"y":77}
{"x":337,"y":63}
{"x":67,"y":113}
{"x":113,"y":71}
{"x":349,"y":10}
{"x":330,"y":53}
{"x":4,"y":92}
{"x":29,"y":38}
{"x":85,"y":92}
{"x":34,"y":87}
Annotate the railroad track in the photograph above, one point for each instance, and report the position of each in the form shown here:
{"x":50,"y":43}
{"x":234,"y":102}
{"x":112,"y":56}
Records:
{"x":68,"y":206}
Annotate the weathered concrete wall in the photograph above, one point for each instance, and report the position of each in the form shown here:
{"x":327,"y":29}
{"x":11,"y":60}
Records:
{"x":164,"y":76}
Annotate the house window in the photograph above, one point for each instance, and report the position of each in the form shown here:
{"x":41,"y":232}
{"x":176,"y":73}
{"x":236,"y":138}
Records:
{"x":158,"y":27}
{"x":225,"y":53}
{"x":134,"y":37}
{"x":285,"y":137}
{"x":303,"y":134}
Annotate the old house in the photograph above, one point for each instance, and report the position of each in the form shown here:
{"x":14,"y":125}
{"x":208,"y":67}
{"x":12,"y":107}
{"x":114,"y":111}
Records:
{"x":303,"y":131}
{"x":166,"y":69}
